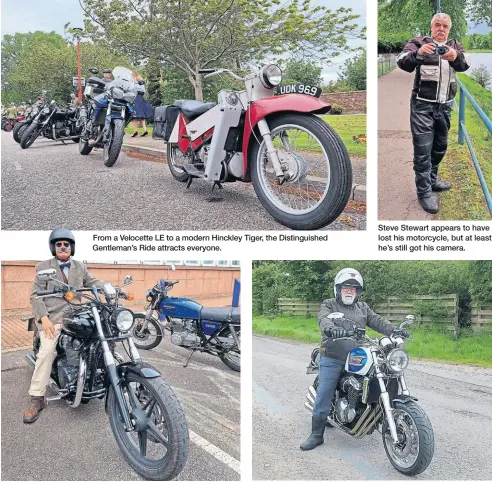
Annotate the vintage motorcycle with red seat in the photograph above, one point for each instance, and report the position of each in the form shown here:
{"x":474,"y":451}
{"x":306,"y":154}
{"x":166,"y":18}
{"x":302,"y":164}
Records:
{"x":298,"y":165}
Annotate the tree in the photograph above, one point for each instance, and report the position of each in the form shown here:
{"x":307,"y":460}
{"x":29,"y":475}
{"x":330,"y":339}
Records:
{"x":481,"y":11}
{"x":354,"y":72}
{"x":153,"y":75}
{"x":413,"y":17}
{"x":302,"y":72}
{"x":482,"y":76}
{"x":194,"y":34}
{"x":41,"y":61}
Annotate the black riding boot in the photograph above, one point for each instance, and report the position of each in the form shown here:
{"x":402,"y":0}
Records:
{"x":316,"y":437}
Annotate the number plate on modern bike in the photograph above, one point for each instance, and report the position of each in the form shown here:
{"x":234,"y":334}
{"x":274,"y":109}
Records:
{"x":298,"y":89}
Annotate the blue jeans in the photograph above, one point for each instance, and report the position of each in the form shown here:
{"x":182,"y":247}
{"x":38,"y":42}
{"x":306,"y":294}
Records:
{"x":329,"y":373}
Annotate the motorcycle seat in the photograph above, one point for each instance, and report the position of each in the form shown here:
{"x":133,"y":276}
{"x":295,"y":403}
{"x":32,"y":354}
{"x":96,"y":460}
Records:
{"x":193,"y":108}
{"x":97,"y":81}
{"x":221,"y":314}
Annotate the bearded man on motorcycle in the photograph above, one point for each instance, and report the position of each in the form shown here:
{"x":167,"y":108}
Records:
{"x":48,"y":312}
{"x":347,"y":287}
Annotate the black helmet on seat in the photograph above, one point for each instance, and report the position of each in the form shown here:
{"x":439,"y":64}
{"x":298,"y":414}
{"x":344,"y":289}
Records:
{"x":61,"y":234}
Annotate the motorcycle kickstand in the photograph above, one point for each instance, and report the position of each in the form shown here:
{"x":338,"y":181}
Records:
{"x":190,"y":180}
{"x":189,"y":357}
{"x":218,"y":184}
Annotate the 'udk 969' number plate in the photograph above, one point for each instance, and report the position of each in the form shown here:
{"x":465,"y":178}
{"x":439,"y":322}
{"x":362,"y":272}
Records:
{"x":298,"y":89}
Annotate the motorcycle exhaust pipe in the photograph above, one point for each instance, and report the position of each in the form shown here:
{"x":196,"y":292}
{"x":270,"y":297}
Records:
{"x":308,"y":406}
{"x":80,"y":384}
{"x":98,"y":140}
{"x":310,"y":398}
{"x":312,"y":391}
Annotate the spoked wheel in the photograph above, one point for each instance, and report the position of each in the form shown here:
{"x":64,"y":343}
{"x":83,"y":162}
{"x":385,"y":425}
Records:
{"x":232,"y":358}
{"x":317,"y":167}
{"x":148,"y":337}
{"x":175,"y":159}
{"x":415,"y":448}
{"x":157,"y":448}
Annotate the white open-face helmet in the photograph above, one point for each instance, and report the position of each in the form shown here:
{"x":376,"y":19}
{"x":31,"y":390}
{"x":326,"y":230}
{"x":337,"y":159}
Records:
{"x":347,"y":277}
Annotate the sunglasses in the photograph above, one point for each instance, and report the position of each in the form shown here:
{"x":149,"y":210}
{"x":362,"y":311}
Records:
{"x":62,"y":244}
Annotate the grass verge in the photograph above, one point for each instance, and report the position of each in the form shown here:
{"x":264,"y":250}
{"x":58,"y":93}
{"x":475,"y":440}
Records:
{"x":346,"y":126}
{"x":466,"y":199}
{"x":426,"y":344}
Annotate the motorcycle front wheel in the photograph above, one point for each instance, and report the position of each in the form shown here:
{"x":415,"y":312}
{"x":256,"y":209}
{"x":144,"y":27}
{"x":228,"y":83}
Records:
{"x":150,"y":336}
{"x":318,"y":167}
{"x":29,"y":136}
{"x":415,"y":449}
{"x":112,"y":146}
{"x":18,"y":130}
{"x":160,"y":451}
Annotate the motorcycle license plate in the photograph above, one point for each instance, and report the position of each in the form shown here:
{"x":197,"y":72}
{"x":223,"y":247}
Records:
{"x":298,"y":89}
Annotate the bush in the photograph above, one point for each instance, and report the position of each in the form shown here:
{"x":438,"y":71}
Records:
{"x":336,"y":109}
{"x":482,"y":76}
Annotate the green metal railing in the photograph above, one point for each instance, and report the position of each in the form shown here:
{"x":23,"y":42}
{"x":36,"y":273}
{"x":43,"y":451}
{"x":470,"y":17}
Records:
{"x":463,"y":135}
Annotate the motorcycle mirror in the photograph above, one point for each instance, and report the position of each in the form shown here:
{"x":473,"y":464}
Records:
{"x":128,"y":280}
{"x":409,"y":319}
{"x":94,"y":71}
{"x":46,"y":274}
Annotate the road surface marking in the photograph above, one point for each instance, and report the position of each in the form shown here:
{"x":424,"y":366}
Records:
{"x":220,"y":455}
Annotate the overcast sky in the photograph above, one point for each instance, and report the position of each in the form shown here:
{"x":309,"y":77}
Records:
{"x":48,"y":15}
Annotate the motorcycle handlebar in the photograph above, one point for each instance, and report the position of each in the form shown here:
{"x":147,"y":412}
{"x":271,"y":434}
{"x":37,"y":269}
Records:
{"x":45,"y":292}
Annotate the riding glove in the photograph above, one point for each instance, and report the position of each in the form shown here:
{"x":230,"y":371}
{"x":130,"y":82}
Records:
{"x":337,"y":332}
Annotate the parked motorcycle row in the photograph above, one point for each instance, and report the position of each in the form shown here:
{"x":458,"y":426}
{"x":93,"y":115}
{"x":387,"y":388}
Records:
{"x":145,"y":415}
{"x":99,"y":121}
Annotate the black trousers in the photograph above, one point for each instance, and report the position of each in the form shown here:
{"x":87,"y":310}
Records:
{"x":430,"y":123}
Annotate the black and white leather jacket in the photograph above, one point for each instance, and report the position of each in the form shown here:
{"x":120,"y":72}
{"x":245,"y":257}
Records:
{"x":435,"y":78}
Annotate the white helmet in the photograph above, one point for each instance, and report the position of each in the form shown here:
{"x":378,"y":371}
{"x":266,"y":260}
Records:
{"x":348,"y":277}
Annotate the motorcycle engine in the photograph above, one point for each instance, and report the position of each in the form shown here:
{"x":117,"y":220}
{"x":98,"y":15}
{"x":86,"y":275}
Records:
{"x":183,"y":332}
{"x":68,"y":366}
{"x":346,"y":406}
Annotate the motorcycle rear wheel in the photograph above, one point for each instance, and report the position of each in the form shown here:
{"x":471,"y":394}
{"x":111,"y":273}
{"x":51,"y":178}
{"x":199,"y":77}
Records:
{"x":415,"y":428}
{"x":18,"y":130}
{"x":166,"y":413}
{"x":112,"y":148}
{"x":173,"y":152}
{"x":318,"y":190}
{"x":29,"y":136}
{"x":232,"y":359}
{"x":141,"y":340}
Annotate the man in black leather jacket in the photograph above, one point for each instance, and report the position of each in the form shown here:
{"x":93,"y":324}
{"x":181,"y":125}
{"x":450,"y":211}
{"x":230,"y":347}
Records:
{"x":435,"y":60}
{"x":347,"y":287}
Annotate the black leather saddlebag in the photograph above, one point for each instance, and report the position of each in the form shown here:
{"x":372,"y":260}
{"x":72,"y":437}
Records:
{"x":164,"y":120}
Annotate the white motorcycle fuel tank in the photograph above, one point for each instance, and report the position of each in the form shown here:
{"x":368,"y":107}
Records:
{"x":359,"y":361}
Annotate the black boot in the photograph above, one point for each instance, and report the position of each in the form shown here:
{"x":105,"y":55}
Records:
{"x":316,"y":437}
{"x":440,"y":186}
{"x":429,"y":203}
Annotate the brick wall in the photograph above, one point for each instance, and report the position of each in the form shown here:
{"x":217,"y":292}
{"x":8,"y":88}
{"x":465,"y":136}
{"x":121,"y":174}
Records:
{"x":352,"y":102}
{"x":212,"y":286}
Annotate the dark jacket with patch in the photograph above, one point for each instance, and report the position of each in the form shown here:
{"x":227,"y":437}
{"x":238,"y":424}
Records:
{"x":435,"y":79}
{"x":360,"y":314}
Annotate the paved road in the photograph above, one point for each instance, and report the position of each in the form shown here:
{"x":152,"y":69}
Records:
{"x":459,"y":407}
{"x":68,"y":444}
{"x":52,"y":184}
{"x":397,"y":199}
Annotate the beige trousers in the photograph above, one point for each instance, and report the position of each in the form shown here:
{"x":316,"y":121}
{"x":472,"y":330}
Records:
{"x":44,"y":361}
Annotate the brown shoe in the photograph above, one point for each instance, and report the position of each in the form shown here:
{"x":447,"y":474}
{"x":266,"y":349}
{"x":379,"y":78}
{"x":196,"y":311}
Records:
{"x":32,"y":413}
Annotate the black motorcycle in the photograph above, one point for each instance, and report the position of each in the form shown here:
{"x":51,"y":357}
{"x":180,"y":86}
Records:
{"x":145,"y":415}
{"x":29,"y":116}
{"x":107,"y":110}
{"x":53,"y":122}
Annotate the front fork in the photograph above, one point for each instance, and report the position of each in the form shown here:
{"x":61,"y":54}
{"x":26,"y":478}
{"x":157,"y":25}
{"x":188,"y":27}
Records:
{"x":386,"y":399}
{"x":272,"y":153}
{"x":111,"y":367}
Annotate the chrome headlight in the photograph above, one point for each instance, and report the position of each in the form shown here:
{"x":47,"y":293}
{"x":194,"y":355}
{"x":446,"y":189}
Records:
{"x":397,"y":360}
{"x":109,"y":290}
{"x":271,"y":76}
{"x":124,"y":320}
{"x":117,"y":93}
{"x":129,"y":97}
{"x":46,"y":110}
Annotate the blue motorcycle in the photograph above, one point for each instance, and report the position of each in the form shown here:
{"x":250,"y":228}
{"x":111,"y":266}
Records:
{"x":108,"y":108}
{"x":216,"y":331}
